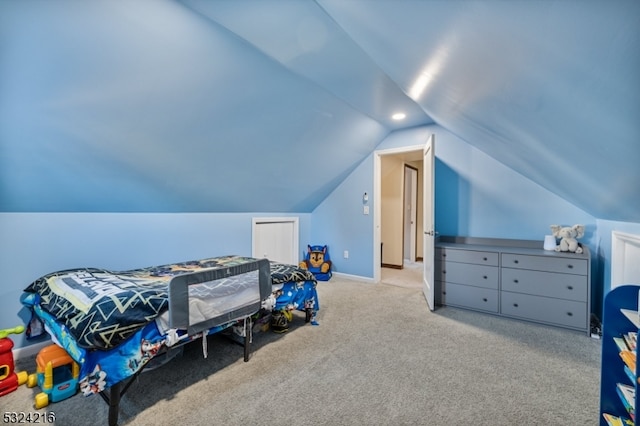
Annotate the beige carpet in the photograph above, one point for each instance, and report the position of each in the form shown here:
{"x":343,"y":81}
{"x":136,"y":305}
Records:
{"x":377,"y":357}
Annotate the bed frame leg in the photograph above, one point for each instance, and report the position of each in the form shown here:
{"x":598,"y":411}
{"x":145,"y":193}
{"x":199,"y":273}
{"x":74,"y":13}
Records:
{"x":248,"y":329}
{"x":114,"y":403}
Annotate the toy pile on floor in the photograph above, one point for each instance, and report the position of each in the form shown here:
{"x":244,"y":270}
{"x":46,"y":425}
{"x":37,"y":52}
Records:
{"x":56,"y":373}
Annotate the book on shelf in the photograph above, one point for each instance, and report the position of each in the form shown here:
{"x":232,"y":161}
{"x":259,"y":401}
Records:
{"x":617,"y":421}
{"x":631,"y":339}
{"x":630,"y":374}
{"x":628,"y":397}
{"x":629,"y":359}
{"x":621,"y":343}
{"x":632,"y":315}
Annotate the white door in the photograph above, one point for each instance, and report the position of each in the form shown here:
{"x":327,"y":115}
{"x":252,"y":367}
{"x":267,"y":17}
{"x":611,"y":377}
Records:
{"x":276,"y":239}
{"x":428,"y":224}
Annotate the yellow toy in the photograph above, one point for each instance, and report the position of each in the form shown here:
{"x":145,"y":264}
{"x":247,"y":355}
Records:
{"x":57,"y":376}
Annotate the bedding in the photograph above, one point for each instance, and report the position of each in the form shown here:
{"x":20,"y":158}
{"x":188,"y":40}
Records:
{"x":114,"y":323}
{"x":101,"y":308}
{"x":295,"y":289}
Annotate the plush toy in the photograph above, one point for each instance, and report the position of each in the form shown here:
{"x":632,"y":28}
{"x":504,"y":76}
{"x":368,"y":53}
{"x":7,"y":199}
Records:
{"x":568,"y":237}
{"x":317,"y":261}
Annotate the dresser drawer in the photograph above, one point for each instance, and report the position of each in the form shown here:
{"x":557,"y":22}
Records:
{"x":514,"y":278}
{"x":545,"y":263}
{"x":562,"y":286}
{"x":565,"y":313}
{"x":467,"y":273}
{"x":467,"y":256}
{"x":465,"y":296}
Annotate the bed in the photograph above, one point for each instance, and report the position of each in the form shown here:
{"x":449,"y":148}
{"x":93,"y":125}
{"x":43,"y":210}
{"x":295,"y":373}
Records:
{"x":115,"y":324}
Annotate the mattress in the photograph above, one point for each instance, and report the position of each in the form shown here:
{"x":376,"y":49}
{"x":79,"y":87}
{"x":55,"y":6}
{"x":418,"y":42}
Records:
{"x":102,"y":308}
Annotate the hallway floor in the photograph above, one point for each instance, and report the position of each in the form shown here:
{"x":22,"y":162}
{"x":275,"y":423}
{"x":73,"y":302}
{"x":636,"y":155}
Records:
{"x":410,"y":276}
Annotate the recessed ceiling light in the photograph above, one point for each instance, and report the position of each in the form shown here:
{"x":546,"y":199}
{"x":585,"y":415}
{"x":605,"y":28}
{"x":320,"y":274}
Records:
{"x":399,"y":116}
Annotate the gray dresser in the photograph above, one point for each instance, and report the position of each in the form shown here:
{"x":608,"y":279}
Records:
{"x":514,"y":278}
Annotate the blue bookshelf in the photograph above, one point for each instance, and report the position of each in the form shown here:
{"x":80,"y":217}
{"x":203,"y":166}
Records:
{"x":619,"y":373}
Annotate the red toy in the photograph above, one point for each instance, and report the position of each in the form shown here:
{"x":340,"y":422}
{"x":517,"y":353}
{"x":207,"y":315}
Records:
{"x":9,"y":379}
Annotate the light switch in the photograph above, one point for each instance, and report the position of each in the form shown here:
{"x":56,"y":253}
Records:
{"x":365,"y":210}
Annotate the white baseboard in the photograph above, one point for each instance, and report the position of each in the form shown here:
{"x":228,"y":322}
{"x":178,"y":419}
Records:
{"x":353,"y":277}
{"x":31,"y":350}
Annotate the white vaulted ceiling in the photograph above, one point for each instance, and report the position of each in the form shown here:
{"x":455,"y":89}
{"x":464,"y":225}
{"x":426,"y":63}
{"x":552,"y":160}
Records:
{"x":267,"y":105}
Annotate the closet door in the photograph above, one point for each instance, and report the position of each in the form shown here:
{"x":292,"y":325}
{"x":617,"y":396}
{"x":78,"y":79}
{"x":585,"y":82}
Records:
{"x":276,"y":239}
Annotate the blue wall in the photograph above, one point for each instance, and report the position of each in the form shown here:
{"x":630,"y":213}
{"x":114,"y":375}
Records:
{"x":339,"y":223}
{"x":33,"y":244}
{"x":475,"y":196}
{"x":478,"y":196}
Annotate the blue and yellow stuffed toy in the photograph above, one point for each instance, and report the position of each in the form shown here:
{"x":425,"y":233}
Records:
{"x":318,"y":262}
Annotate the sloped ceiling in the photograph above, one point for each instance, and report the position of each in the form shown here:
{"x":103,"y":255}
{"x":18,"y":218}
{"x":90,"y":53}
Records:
{"x":267,"y":105}
{"x":549,"y":88}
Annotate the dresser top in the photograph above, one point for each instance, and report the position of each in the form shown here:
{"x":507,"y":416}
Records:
{"x":531,"y":247}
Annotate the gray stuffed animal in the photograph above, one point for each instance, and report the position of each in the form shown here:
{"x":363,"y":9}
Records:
{"x":568,"y":237}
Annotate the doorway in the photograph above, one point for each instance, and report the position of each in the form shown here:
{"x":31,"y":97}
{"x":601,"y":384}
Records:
{"x":424,"y":157}
{"x":398,"y":224}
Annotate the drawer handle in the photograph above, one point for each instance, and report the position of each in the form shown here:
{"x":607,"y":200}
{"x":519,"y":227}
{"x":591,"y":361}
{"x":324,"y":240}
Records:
{"x":484,"y":299}
{"x":515,"y":305}
{"x":484,"y":258}
{"x":485,"y":277}
{"x":444,"y":292}
{"x":444,"y":272}
{"x":444,"y":254}
{"x":570,"y":287}
{"x":515,"y":281}
{"x":570,"y":314}
{"x":570,"y":266}
{"x":515,"y":261}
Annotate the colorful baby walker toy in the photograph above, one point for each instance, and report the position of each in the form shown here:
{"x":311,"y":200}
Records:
{"x":9,"y":379}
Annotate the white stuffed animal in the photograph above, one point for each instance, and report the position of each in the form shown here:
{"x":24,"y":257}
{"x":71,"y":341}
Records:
{"x":568,"y":237}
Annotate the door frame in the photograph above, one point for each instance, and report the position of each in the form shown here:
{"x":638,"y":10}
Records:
{"x":624,"y":247}
{"x":377,"y":192}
